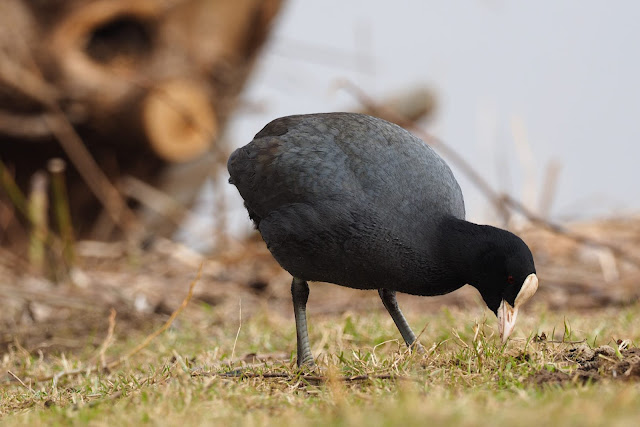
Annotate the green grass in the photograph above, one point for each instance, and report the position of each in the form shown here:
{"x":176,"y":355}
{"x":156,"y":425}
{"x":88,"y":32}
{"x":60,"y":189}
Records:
{"x":466,"y":377}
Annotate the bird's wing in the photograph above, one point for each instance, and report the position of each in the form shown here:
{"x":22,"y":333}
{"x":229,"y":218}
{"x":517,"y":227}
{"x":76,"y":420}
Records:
{"x":351,"y":158}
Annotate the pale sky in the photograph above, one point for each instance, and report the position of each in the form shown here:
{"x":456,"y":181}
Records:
{"x":563,"y":74}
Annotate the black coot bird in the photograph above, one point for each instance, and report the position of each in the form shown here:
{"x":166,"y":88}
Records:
{"x":360,"y":202}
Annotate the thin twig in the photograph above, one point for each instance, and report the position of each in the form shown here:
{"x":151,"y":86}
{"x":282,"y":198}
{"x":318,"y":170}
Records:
{"x":579,"y":238}
{"x":88,"y":168}
{"x":319,"y":378}
{"x":539,"y":340}
{"x":21,"y":382}
{"x":155,"y":199}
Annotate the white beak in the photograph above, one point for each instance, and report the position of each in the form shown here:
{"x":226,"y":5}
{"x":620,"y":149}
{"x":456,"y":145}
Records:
{"x":507,"y":314}
{"x":506,"y":320}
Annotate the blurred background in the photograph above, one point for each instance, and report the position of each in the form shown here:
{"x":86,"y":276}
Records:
{"x":117,"y":117}
{"x":532,"y":94}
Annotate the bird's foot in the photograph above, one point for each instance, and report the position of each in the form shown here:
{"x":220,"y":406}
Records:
{"x":306,"y":363}
{"x":418,"y":348}
{"x":311,"y":370}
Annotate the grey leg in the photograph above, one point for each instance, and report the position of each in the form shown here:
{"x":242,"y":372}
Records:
{"x":300,"y":293}
{"x":391,"y":304}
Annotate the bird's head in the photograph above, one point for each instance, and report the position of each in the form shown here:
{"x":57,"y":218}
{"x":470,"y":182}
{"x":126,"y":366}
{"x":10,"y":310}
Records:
{"x":506,"y":278}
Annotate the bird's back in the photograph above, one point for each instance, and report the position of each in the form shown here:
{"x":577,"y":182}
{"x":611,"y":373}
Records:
{"x":341,"y":197}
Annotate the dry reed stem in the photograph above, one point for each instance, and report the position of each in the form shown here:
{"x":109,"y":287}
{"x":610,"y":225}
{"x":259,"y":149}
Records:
{"x":57,"y":167}
{"x":38,"y":205}
{"x":549,"y":187}
{"x":22,"y":204}
{"x":15,"y":195}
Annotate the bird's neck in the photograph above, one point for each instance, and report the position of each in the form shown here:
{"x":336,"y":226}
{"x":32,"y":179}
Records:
{"x":459,"y":249}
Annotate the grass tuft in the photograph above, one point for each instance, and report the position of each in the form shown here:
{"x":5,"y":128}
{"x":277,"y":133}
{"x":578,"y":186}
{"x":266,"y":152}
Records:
{"x":191,"y":374}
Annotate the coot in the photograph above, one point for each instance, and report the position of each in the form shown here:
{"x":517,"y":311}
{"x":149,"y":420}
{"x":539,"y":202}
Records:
{"x":357,"y":201}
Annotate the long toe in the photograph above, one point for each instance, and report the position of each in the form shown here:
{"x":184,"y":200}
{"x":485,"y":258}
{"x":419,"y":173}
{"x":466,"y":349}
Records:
{"x":418,"y":348}
{"x":307,"y":361}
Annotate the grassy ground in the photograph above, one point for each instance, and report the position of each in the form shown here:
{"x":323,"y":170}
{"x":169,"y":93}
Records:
{"x":465,"y":378}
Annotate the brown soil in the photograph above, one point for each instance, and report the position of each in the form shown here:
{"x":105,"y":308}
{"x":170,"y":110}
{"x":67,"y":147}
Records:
{"x":545,"y":377}
{"x":593,"y":365}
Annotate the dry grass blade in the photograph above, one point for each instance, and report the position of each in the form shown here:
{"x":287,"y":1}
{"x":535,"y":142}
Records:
{"x":164,"y":327}
{"x":21,"y":382}
{"x":107,"y":340}
{"x":233,"y":351}
{"x":113,"y":364}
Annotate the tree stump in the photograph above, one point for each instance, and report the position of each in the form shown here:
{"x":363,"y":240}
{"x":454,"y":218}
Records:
{"x":147,"y":84}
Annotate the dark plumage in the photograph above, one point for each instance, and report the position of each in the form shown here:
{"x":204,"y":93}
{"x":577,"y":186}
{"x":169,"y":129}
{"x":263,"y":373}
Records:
{"x":357,"y":201}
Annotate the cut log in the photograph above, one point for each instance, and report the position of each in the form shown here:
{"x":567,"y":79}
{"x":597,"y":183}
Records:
{"x":178,"y":120}
{"x":103,"y":48}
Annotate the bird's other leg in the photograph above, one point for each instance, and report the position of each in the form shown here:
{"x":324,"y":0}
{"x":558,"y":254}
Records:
{"x":391,"y":304}
{"x":300,"y":294}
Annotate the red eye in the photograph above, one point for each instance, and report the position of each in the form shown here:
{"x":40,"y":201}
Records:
{"x":510,"y":280}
